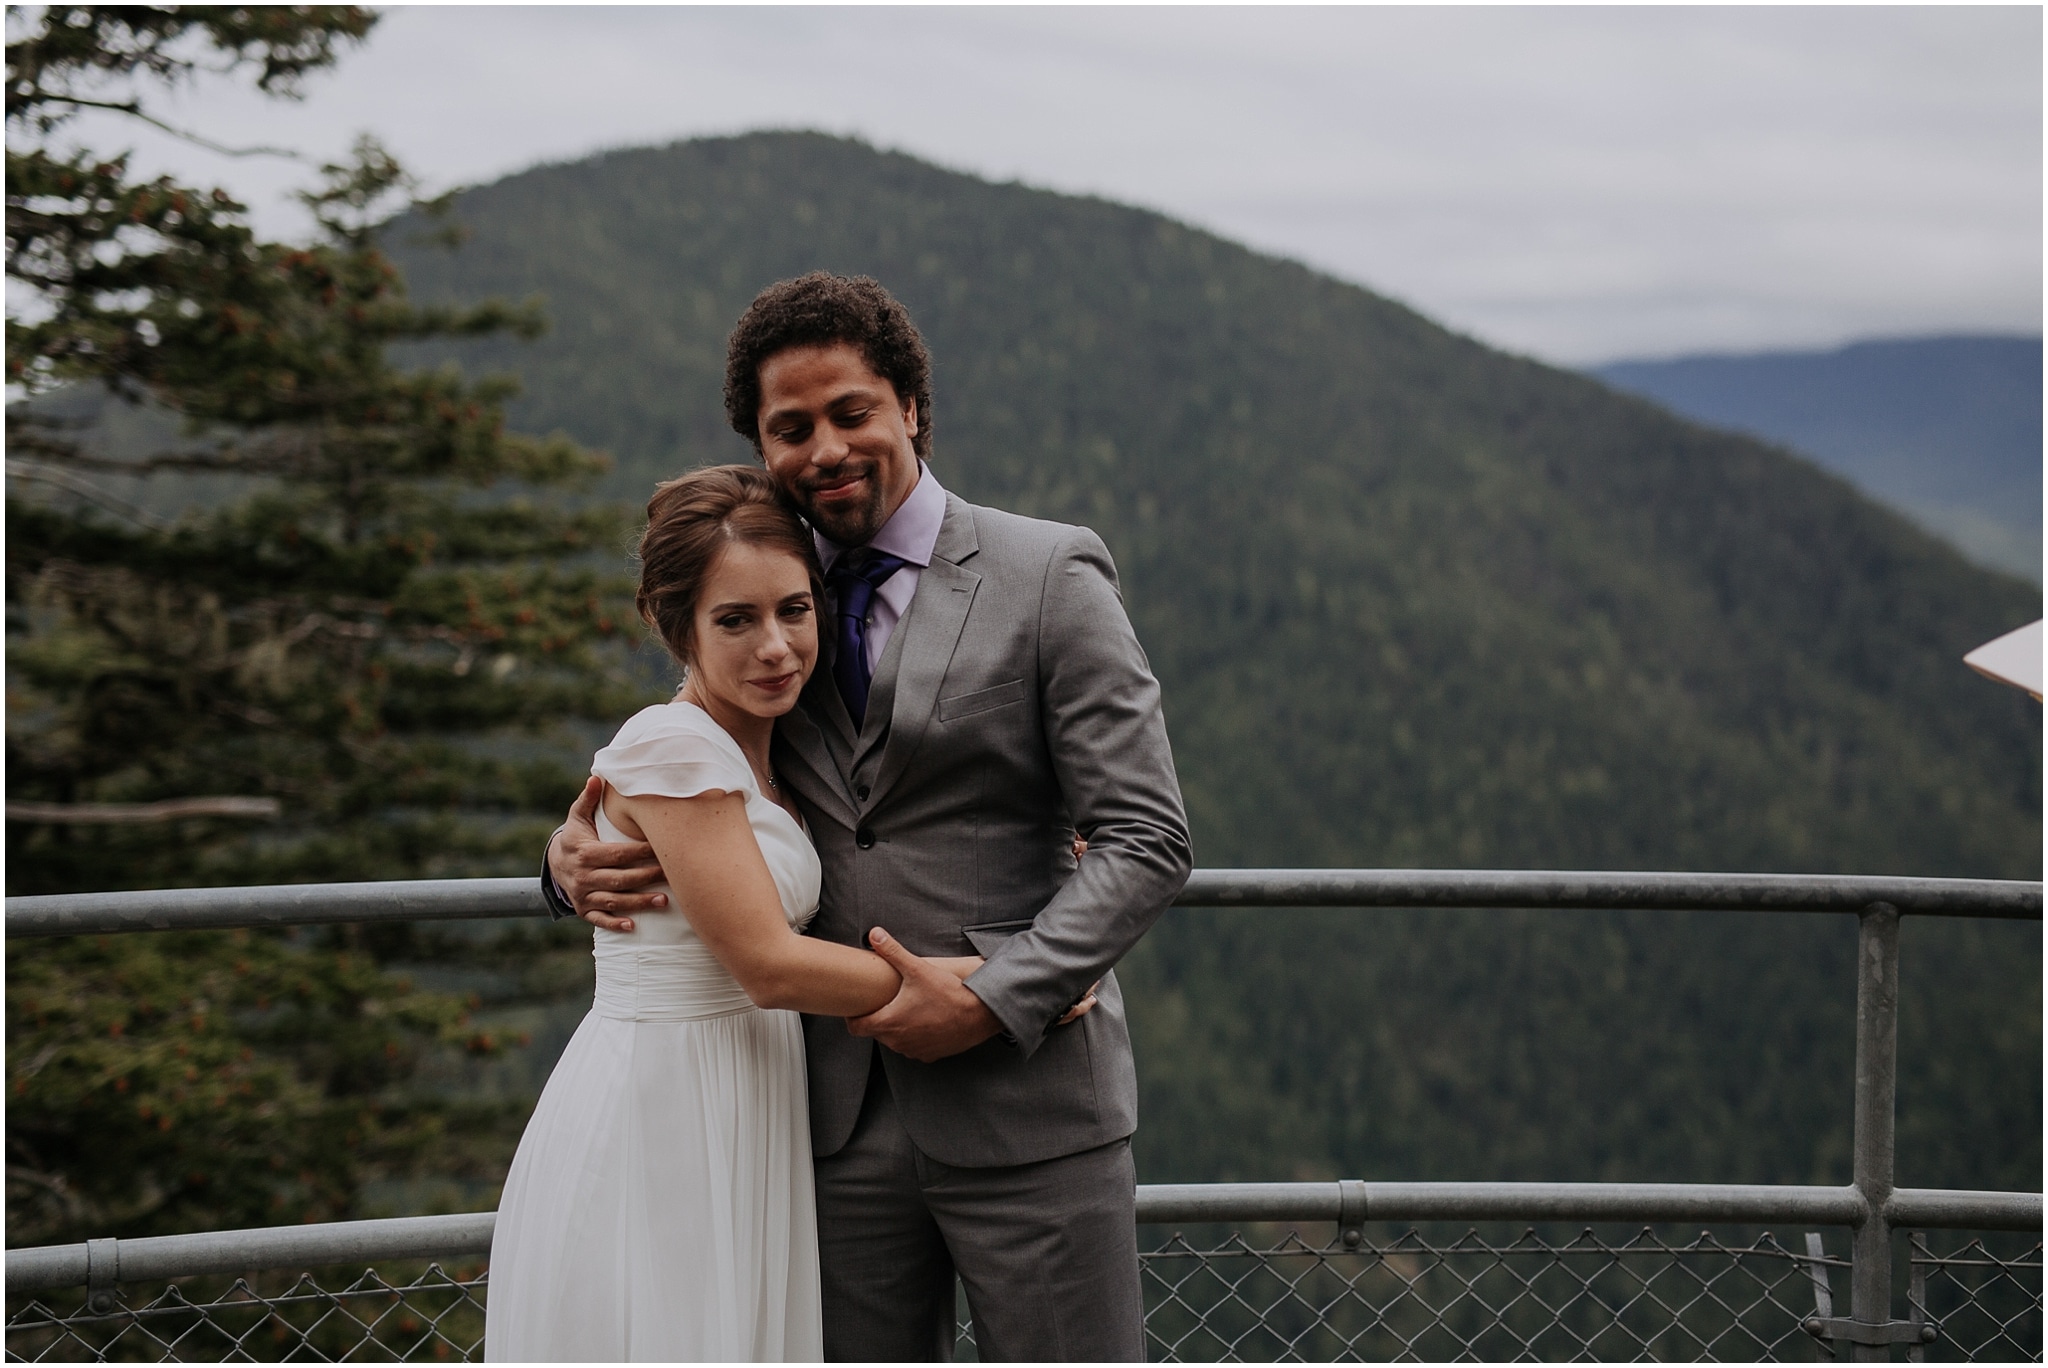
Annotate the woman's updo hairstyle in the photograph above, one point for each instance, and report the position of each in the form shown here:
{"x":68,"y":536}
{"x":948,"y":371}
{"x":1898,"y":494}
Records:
{"x":689,"y":521}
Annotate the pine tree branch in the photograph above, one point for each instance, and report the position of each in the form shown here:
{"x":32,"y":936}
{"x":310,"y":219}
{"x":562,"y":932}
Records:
{"x":134,"y":110}
{"x":131,"y":814}
{"x":223,"y":461}
{"x":40,"y":473}
{"x":52,"y":1183}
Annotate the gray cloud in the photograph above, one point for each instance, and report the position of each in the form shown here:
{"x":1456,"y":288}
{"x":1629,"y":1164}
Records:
{"x":1579,"y":184}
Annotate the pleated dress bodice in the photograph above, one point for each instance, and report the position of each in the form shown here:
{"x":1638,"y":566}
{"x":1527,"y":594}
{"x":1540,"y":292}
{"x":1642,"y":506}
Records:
{"x":661,"y":970}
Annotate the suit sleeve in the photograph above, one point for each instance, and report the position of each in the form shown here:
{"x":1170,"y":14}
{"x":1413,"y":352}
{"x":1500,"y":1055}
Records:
{"x":559,"y":906}
{"x":1107,"y":739}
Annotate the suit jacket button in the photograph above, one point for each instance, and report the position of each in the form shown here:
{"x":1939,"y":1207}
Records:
{"x":865,"y":838}
{"x":861,"y":793}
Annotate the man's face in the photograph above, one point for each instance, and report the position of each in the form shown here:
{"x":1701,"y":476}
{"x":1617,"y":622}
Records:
{"x":837,"y":438}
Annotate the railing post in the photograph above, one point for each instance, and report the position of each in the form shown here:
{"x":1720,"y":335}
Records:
{"x":1877,"y":1078}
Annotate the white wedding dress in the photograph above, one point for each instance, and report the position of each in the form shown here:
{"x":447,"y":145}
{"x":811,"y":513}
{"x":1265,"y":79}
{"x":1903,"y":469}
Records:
{"x":660,"y":1204}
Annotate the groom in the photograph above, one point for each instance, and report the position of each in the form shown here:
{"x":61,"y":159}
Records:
{"x":981,"y":700}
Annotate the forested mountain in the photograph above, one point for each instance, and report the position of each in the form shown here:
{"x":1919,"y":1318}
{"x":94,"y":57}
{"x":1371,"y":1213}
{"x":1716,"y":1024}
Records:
{"x":1947,"y":429}
{"x":1414,"y":602}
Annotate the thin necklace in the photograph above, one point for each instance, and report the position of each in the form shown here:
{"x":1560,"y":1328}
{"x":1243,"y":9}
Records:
{"x":681,"y":690}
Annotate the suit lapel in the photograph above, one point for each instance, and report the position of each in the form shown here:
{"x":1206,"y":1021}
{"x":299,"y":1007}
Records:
{"x":881,"y":694}
{"x":928,"y":634}
{"x":821,"y":696}
{"x":801,"y":731}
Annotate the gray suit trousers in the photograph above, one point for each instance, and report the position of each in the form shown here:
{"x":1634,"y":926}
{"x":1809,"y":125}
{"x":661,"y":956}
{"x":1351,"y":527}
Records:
{"x":1047,"y":1251}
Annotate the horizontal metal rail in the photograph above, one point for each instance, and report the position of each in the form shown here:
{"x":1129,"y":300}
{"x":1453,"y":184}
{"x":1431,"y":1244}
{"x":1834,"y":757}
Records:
{"x":1610,"y":890}
{"x":104,"y":1262}
{"x":215,"y":909}
{"x":279,"y":905}
{"x":1956,"y":1209}
{"x":249,"y":1251}
{"x":1349,"y":1203}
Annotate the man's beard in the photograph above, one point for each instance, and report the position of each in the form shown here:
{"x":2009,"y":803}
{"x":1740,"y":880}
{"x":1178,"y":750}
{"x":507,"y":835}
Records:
{"x":854,"y":525}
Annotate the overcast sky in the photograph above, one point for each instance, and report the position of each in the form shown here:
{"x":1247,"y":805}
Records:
{"x":1578,"y":184}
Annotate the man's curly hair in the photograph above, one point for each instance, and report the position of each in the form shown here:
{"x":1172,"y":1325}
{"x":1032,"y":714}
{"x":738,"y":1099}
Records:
{"x":817,"y":310}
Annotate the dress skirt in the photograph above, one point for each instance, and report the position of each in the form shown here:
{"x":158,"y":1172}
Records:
{"x":660,"y":1204}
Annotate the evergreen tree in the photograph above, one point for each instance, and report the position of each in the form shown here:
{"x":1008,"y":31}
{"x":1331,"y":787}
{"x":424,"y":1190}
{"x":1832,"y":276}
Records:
{"x":354,"y":667}
{"x":336,"y":639}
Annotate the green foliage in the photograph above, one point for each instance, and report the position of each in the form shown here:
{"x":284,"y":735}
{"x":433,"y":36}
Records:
{"x":1414,"y":603}
{"x":257,"y":652}
{"x":1572,"y":1047}
{"x":382,"y":633}
{"x":166,"y":1083}
{"x":331,"y":638}
{"x":66,"y":62}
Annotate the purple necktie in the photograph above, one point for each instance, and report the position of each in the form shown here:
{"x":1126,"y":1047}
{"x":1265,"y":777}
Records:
{"x":853,"y":579}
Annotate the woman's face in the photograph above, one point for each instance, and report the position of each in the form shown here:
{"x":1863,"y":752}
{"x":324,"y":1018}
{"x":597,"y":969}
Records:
{"x":755,"y":638}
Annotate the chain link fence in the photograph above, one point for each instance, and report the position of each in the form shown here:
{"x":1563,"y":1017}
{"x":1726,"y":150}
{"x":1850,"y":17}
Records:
{"x":410,"y":1313}
{"x":1243,"y":1296}
{"x":1985,"y":1305}
{"x":1413,"y":1299}
{"x":1257,"y":1293}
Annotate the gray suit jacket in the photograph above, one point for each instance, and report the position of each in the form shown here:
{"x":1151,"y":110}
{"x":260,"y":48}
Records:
{"x":1012,"y":708}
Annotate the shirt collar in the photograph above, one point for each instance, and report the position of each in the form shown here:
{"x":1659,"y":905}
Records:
{"x":911,"y":533}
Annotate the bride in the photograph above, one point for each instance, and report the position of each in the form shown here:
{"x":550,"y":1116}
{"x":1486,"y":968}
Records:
{"x":660,"y":1204}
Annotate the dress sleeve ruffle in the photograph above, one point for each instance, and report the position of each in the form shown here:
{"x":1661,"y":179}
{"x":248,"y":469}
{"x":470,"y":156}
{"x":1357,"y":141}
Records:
{"x":672,"y":758}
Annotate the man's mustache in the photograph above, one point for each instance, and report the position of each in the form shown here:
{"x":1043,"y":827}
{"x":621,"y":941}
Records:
{"x":811,"y":484}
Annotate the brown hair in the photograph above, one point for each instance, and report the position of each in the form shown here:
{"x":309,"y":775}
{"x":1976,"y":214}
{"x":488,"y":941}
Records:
{"x":689,"y":521}
{"x":817,"y":310}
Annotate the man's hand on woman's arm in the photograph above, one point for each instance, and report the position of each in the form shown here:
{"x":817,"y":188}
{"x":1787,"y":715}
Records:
{"x":934,"y":1014}
{"x":603,"y":880}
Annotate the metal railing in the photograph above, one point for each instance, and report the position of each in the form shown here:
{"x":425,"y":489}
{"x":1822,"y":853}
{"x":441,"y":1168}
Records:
{"x":415,"y":1288}
{"x":1269,"y":1294}
{"x":201,"y":909}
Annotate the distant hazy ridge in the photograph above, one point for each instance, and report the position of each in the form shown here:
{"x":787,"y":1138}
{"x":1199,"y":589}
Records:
{"x":1946,"y":428}
{"x":1414,"y":602}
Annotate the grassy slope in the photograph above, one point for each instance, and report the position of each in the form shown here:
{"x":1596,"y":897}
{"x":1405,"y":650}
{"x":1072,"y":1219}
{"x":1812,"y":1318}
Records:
{"x":1414,"y":602}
